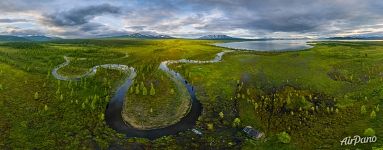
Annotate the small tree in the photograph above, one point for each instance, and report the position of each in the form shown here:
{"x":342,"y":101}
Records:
{"x":131,"y":90}
{"x":144,"y":91}
{"x":36,"y":96}
{"x":210,"y":126}
{"x":172,"y":91}
{"x":373,"y":115}
{"x":94,"y":101}
{"x":1,"y":87}
{"x":377,"y":108}
{"x":142,"y":85}
{"x":45,"y":107}
{"x":288,"y":101}
{"x":152,"y":90}
{"x":369,"y":132}
{"x":102,"y":116}
{"x":221,"y":115}
{"x":255,"y":106}
{"x":236,"y":122}
{"x":284,"y":137}
{"x":363,"y":109}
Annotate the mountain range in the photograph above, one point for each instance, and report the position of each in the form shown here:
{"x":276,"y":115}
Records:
{"x":218,"y":37}
{"x":143,"y":36}
{"x":357,"y":37}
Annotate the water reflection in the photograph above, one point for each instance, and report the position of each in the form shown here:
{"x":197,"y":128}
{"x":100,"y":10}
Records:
{"x":268,"y":45}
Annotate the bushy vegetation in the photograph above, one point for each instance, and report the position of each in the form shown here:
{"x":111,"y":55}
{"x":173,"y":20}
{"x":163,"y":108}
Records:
{"x":318,"y":96}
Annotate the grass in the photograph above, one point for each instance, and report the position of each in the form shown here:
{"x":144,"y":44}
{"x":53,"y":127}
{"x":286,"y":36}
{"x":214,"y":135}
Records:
{"x":70,"y":114}
{"x":326,"y":87}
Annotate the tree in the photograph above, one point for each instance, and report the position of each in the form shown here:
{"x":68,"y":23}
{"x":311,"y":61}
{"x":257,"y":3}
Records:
{"x":210,"y":126}
{"x":236,"y":122}
{"x":363,"y":109}
{"x":1,"y":87}
{"x":221,"y":115}
{"x":255,"y":106}
{"x":377,"y":108}
{"x":284,"y":137}
{"x":102,"y":116}
{"x":144,"y":91}
{"x":142,"y":85}
{"x":36,"y":96}
{"x":45,"y":107}
{"x":288,"y":101}
{"x":172,"y":91}
{"x":369,"y":132}
{"x":152,"y":90}
{"x":373,"y":115}
{"x":93,"y":104}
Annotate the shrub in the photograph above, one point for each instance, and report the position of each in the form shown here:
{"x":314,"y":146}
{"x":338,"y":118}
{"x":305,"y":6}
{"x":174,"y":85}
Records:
{"x":369,"y":132}
{"x":210,"y":126}
{"x":363,"y":110}
{"x":172,"y":91}
{"x":144,"y":91}
{"x":152,"y":90}
{"x":373,"y":115}
{"x":36,"y":96}
{"x":284,"y":137}
{"x":236,"y":122}
{"x":221,"y":115}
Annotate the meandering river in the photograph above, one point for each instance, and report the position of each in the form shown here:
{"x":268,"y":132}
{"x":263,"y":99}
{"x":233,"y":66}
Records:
{"x":113,"y":113}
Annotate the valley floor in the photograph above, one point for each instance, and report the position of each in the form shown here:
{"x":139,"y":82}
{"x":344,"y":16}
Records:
{"x":315,"y":97}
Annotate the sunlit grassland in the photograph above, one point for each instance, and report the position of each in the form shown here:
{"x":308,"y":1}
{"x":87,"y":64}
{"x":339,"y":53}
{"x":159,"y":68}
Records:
{"x":339,"y":76}
{"x":326,"y":87}
{"x":40,"y":111}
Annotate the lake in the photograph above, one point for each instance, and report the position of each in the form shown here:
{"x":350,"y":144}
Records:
{"x":268,"y":45}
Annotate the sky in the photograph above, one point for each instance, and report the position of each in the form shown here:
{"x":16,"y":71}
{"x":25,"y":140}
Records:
{"x":192,"y":18}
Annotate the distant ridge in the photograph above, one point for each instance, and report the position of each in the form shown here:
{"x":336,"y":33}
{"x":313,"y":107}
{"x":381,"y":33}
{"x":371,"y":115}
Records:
{"x":40,"y":38}
{"x":9,"y":38}
{"x":144,"y":36}
{"x":358,"y":37}
{"x":218,"y":37}
{"x":12,"y":38}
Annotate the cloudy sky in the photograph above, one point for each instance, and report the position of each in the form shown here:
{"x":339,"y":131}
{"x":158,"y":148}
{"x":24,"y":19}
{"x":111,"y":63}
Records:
{"x":192,"y":18}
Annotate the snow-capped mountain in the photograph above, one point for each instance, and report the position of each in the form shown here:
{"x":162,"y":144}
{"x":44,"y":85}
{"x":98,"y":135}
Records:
{"x":217,"y":37}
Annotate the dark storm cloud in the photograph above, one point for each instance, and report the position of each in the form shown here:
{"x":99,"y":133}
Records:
{"x":80,"y":16}
{"x":248,"y":18}
{"x":278,"y":16}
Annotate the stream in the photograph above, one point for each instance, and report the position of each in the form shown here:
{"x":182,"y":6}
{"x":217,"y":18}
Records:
{"x":113,"y":113}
